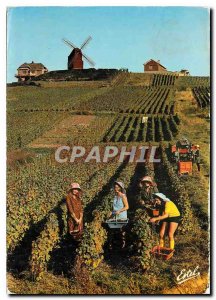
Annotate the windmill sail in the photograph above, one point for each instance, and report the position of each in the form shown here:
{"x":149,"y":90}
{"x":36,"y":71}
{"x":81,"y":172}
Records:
{"x":85,"y":43}
{"x":89,"y":60}
{"x":69,"y":43}
{"x":75,"y":59}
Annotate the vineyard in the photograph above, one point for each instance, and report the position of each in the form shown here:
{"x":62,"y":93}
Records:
{"x":23,"y":134}
{"x":46,"y":98}
{"x":136,"y":129}
{"x":46,"y":218}
{"x":202,"y":96}
{"x":145,"y":100}
{"x":192,"y":81}
{"x":159,"y":80}
{"x":41,"y":256}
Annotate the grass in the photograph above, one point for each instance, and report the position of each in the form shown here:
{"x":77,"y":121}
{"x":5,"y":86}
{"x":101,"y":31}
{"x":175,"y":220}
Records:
{"x":184,"y":82}
{"x":191,"y":251}
{"x":196,"y":127}
{"x":139,"y":79}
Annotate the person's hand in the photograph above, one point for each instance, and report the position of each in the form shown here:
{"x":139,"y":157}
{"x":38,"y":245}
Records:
{"x":76,"y":220}
{"x":152,"y":220}
{"x":79,"y":221}
{"x":117,"y":212}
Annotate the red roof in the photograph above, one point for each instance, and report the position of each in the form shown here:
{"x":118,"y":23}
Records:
{"x":155,"y":62}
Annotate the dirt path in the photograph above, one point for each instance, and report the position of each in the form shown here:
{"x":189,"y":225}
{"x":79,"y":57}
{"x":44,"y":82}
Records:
{"x":18,"y":155}
{"x":62,"y":132}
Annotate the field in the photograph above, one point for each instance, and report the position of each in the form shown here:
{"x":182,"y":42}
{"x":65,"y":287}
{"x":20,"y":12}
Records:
{"x":132,"y":109}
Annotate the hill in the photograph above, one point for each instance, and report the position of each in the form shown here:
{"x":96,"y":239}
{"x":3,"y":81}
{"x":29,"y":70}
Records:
{"x":41,"y":257}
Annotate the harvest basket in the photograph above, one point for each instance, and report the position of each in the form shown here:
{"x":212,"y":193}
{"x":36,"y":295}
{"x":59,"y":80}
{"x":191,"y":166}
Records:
{"x":116,"y":223}
{"x":163,"y":253}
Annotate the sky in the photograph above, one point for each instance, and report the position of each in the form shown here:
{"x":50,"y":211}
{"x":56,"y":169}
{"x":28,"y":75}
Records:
{"x":122,"y":37}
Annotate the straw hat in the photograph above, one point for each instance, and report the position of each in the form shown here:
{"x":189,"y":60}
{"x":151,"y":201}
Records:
{"x":121,"y":184}
{"x":147,"y":178}
{"x":75,"y":185}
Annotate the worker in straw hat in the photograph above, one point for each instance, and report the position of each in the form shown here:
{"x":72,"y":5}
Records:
{"x":146,"y":187}
{"x":119,"y":212}
{"x":75,"y":211}
{"x":170,"y":217}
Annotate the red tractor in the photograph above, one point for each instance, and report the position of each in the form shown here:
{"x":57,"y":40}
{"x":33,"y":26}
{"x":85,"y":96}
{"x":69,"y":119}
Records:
{"x":184,"y":154}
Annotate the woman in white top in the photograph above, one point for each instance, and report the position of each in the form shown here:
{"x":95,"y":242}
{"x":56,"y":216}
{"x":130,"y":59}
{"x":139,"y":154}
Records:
{"x":120,"y":202}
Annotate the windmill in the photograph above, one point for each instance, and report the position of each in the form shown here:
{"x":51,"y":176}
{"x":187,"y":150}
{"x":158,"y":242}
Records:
{"x":75,"y":59}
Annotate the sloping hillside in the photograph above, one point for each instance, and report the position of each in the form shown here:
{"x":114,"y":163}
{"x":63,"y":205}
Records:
{"x":131,"y":109}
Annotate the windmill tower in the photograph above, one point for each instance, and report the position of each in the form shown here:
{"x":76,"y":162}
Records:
{"x":75,"y":59}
